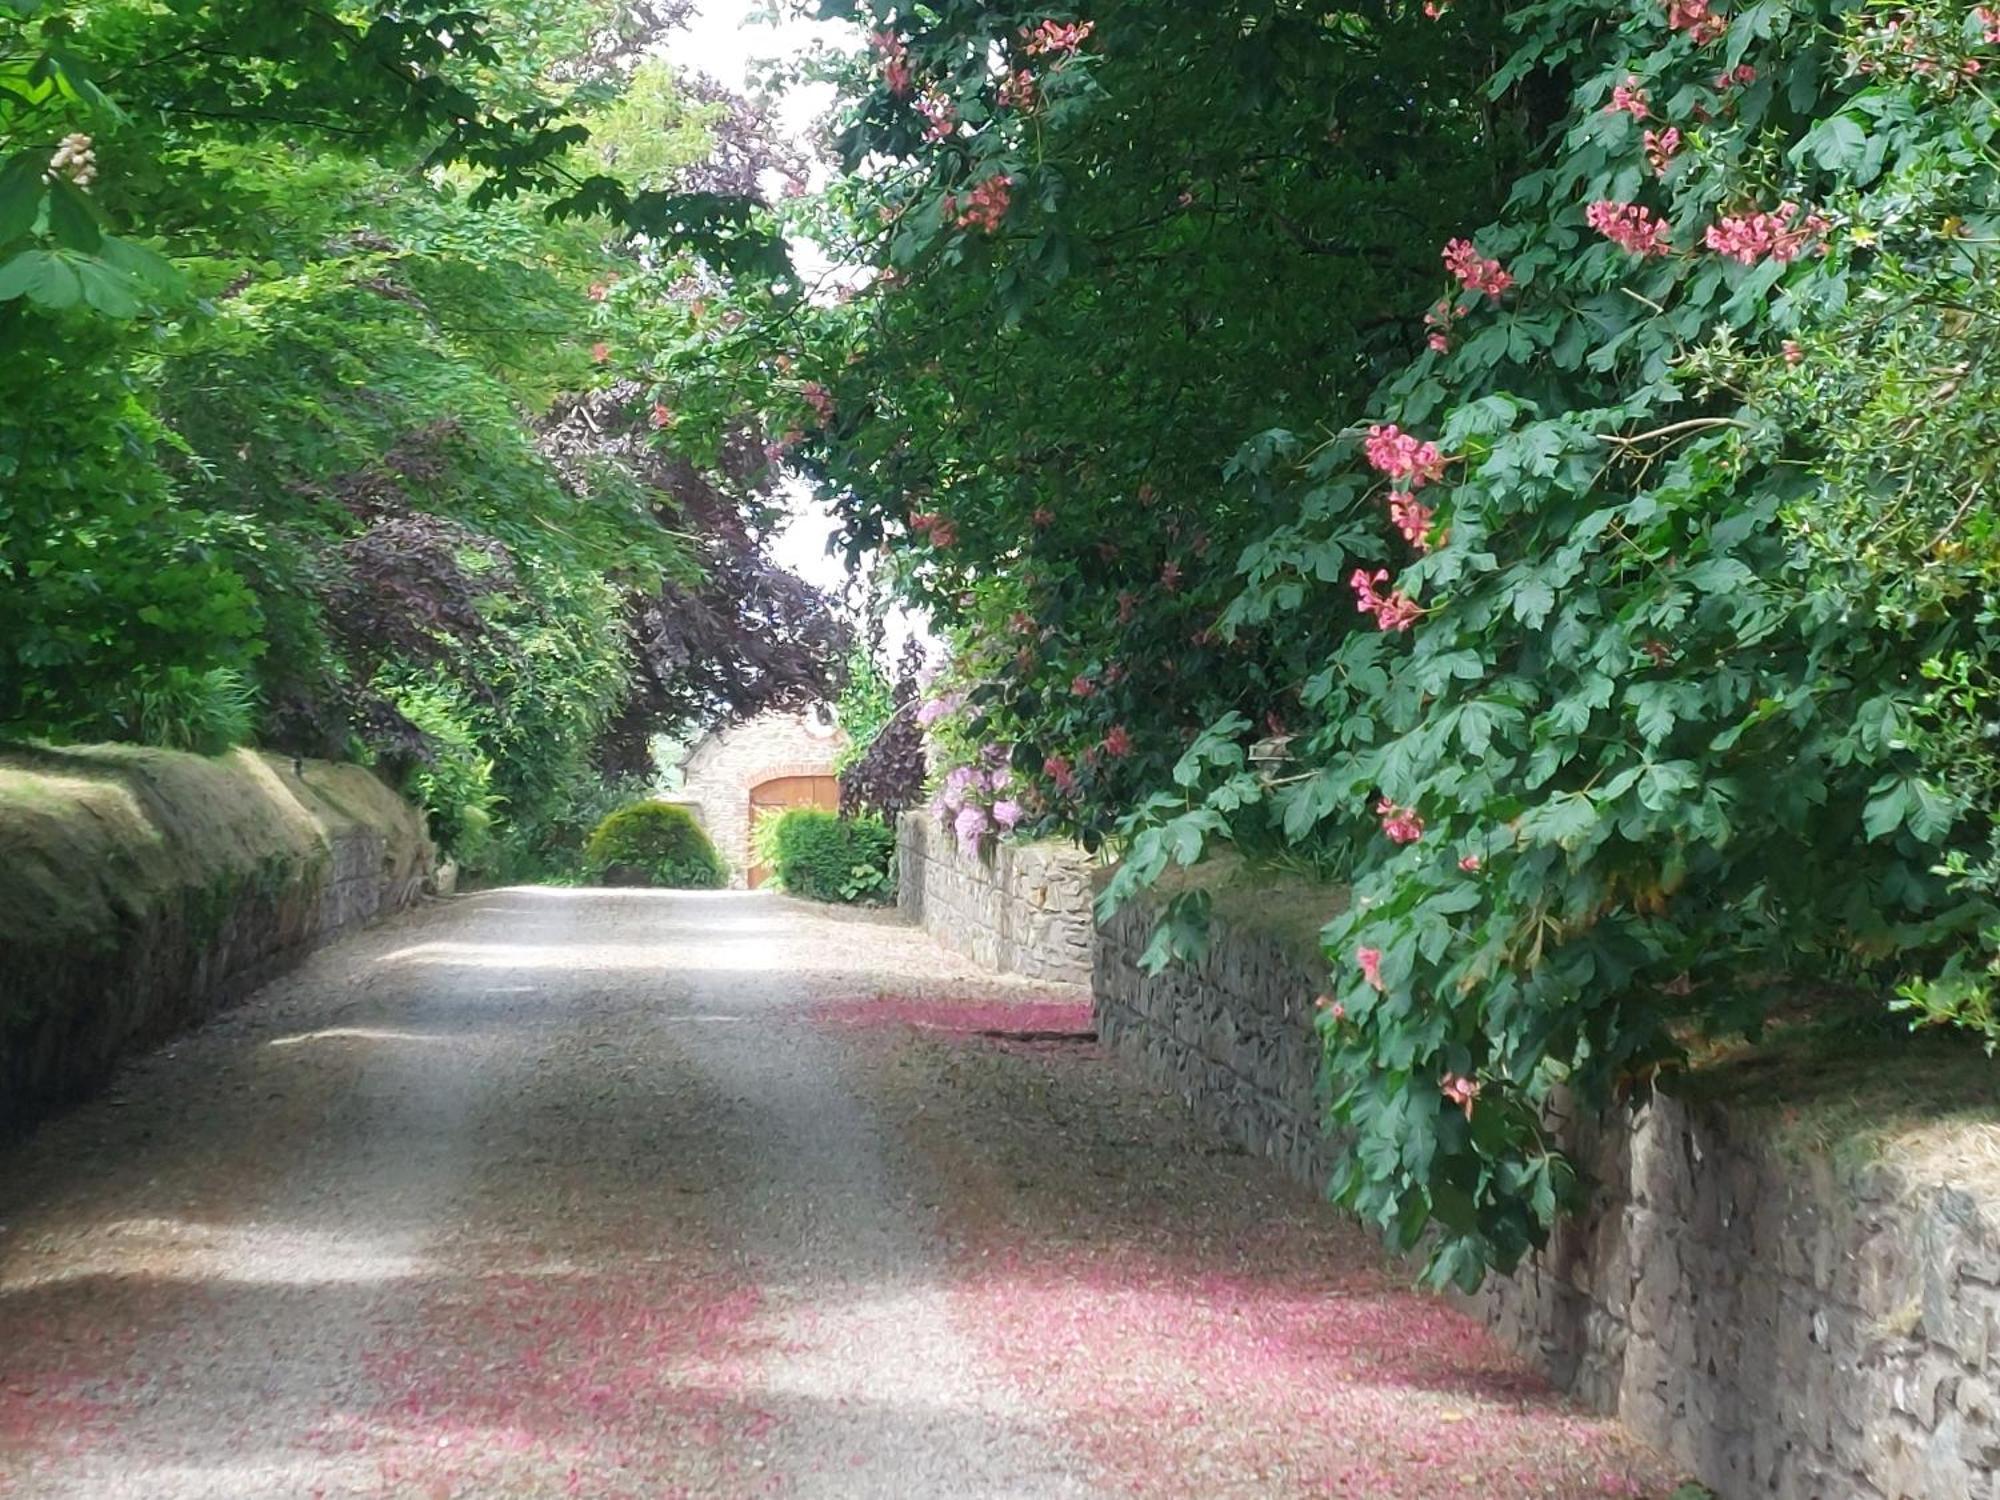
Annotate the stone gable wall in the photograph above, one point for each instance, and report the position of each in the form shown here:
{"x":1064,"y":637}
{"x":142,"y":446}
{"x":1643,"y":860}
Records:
{"x":1020,"y":909}
{"x":1780,"y":1327}
{"x":722,"y":770}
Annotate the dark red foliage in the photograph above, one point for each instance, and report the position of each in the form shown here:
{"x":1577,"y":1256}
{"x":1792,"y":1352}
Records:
{"x":889,"y":777}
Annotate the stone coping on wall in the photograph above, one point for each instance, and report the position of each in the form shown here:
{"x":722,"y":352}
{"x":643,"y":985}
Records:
{"x":1781,"y":1321}
{"x":142,"y":889}
{"x":1018,"y":908}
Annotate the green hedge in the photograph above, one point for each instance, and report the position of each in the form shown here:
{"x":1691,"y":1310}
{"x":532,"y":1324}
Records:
{"x":656,"y":844}
{"x":826,"y":857}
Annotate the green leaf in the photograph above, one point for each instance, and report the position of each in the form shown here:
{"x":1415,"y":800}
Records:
{"x":43,"y":277}
{"x":21,"y":189}
{"x":73,"y":218}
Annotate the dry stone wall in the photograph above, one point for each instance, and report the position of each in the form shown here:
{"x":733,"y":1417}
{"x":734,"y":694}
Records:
{"x":142,"y":890}
{"x":1779,"y":1324}
{"x":1019,"y":908}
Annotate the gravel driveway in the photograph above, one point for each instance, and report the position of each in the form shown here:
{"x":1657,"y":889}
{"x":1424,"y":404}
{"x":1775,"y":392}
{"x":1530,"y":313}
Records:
{"x":633,"y":1194}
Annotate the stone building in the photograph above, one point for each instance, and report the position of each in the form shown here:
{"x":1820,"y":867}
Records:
{"x":772,"y":761}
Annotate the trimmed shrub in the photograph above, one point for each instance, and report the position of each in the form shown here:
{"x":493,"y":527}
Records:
{"x":656,"y":844}
{"x":825,"y":857}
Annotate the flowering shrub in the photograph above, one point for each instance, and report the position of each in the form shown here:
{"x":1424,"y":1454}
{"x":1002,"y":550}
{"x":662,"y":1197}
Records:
{"x":1628,"y":729}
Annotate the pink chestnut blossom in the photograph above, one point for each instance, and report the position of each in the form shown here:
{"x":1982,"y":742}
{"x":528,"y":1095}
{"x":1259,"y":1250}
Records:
{"x":1413,"y":518}
{"x":1057,"y":38}
{"x":1697,"y":20}
{"x":1370,"y":960}
{"x":1635,"y":229}
{"x":1394,"y":610}
{"x":1394,"y":452}
{"x":1661,"y":146}
{"x":1629,"y":98}
{"x":1460,"y":1091}
{"x":1117,"y":742}
{"x":1476,"y":272}
{"x":1402,"y":825}
{"x":1469,"y":863}
{"x":1749,"y":238}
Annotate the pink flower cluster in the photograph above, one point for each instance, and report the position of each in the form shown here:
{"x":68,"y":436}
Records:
{"x":1740,"y":76}
{"x":1058,"y":769}
{"x":941,"y":532}
{"x":895,"y":55}
{"x":1460,"y":1091}
{"x":1635,"y":229}
{"x":1018,"y":91}
{"x":1394,"y":610}
{"x":1392,"y":451}
{"x":1989,"y":20}
{"x":1475,"y":272}
{"x":940,"y":115}
{"x":1437,"y":325}
{"x":1750,"y":238}
{"x":1117,"y":742}
{"x":985,"y":207}
{"x":1661,"y":148}
{"x":1412,"y":518}
{"x":1370,"y":960}
{"x":1401,"y":824}
{"x":1629,"y":98}
{"x":819,"y":398}
{"x":1694,"y":17}
{"x":1057,"y":38}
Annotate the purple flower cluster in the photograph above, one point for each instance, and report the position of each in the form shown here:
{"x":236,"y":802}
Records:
{"x":974,"y":801}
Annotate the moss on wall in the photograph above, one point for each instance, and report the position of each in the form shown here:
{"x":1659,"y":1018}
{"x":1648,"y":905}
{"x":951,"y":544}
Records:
{"x":141,"y":889}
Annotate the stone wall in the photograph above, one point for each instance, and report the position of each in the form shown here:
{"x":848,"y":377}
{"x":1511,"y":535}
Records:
{"x":141,"y":890}
{"x":1779,"y":1324}
{"x":1020,"y":909}
{"x":723,"y":769}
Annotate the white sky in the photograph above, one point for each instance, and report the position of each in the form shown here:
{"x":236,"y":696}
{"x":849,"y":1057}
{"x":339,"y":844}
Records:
{"x":723,"y":41}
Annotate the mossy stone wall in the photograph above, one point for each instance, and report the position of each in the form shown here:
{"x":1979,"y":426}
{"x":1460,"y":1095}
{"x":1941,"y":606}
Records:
{"x":140,"y":890}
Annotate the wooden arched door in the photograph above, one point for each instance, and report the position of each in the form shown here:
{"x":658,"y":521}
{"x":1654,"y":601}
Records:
{"x":788,"y":791}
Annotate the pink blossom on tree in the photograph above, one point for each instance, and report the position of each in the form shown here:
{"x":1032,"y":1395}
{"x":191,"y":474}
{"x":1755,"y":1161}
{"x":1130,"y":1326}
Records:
{"x":1476,"y":272}
{"x":1370,"y":960}
{"x":1403,"y":825}
{"x":1392,"y":451}
{"x":1633,"y":228}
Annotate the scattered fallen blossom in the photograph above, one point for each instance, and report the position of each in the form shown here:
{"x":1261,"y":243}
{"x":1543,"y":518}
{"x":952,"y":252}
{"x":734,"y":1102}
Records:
{"x":600,"y":352}
{"x":1632,"y":227}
